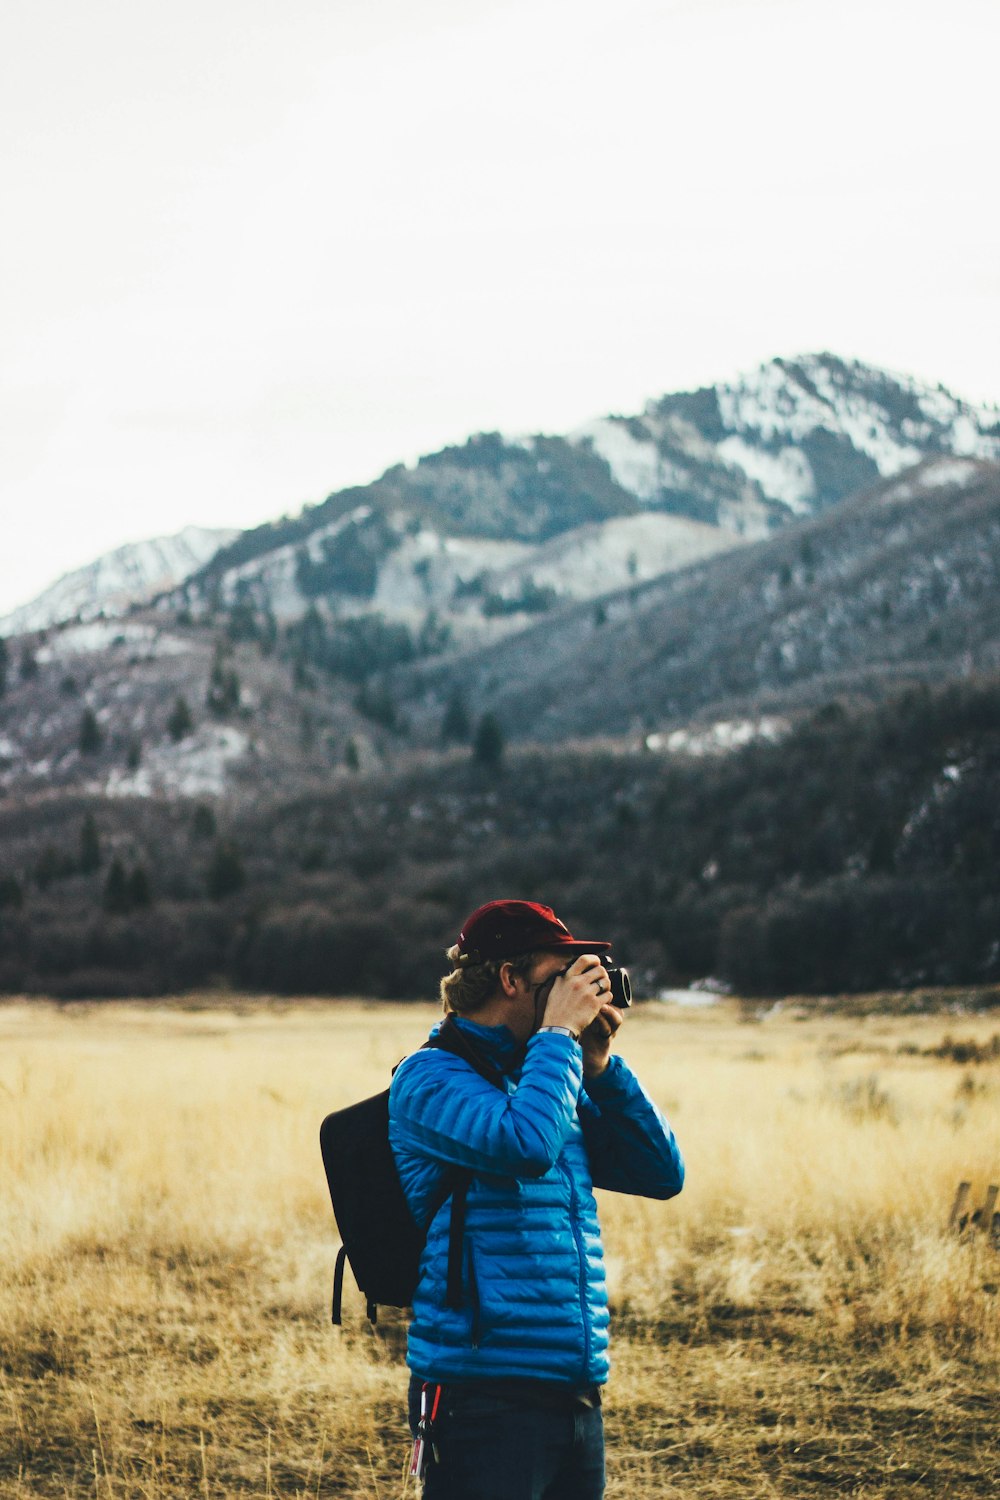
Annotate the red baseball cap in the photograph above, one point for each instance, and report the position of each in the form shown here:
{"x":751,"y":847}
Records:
{"x":504,"y":929}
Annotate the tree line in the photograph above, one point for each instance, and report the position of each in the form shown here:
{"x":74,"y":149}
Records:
{"x":860,"y":852}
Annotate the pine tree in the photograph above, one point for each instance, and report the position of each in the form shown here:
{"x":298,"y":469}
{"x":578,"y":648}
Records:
{"x":116,"y":897}
{"x":4,"y":665}
{"x":223,"y":694}
{"x":91,"y":738}
{"x":226,"y":874}
{"x":455,"y":726}
{"x":90,"y":846}
{"x":488,"y":746}
{"x":203,"y":822}
{"x":139,"y":890}
{"x":180,"y":723}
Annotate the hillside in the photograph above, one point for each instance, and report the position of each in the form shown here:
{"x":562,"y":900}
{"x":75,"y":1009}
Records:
{"x":112,"y":584}
{"x":477,"y":541}
{"x":773,"y":721}
{"x":857,"y":852}
{"x":486,"y":535}
{"x":898,"y":583}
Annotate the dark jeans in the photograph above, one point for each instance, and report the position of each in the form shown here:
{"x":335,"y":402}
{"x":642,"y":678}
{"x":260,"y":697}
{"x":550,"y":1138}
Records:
{"x":509,"y":1447}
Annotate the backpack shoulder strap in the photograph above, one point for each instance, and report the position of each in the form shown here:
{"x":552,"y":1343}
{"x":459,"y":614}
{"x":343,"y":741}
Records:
{"x":457,"y":1181}
{"x":451,"y":1038}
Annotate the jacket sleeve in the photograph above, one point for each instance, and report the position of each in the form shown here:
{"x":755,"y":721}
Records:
{"x":439,"y":1106}
{"x":631,"y":1147}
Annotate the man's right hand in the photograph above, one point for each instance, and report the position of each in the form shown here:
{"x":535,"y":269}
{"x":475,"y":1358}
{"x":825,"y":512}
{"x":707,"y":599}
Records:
{"x":576,"y":996}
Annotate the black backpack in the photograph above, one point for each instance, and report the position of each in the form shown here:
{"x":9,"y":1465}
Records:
{"x":379,"y":1234}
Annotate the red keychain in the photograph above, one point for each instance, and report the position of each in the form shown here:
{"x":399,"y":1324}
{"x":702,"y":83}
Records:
{"x":425,"y":1430}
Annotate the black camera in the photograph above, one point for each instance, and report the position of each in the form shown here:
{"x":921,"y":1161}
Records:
{"x":621,"y":989}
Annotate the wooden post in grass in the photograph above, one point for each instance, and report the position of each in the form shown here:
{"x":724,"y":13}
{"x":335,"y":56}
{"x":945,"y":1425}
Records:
{"x":961,"y":1198}
{"x":984,"y":1216}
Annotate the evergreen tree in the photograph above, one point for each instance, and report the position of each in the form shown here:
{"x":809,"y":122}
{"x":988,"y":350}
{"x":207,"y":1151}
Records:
{"x":91,"y":738}
{"x":180,"y":724}
{"x":376,"y":703}
{"x":242,"y":625}
{"x":223,"y":694}
{"x":90,"y":846}
{"x":203,"y":822}
{"x":29,"y":664}
{"x":455,"y":726}
{"x":226,"y":874}
{"x":51,"y":865}
{"x":352,"y":757}
{"x":269,"y":633}
{"x":139,"y":890}
{"x":4,"y":665}
{"x":133,"y":755}
{"x":488,"y":745}
{"x":116,"y":898}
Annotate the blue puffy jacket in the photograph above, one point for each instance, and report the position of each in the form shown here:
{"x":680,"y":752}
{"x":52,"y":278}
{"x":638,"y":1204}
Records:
{"x":535,"y":1301}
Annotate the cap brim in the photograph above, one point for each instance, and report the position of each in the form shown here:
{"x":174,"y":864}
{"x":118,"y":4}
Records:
{"x":579,"y":945}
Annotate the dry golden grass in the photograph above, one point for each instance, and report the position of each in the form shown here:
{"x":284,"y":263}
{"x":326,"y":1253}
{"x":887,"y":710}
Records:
{"x":799,"y":1321}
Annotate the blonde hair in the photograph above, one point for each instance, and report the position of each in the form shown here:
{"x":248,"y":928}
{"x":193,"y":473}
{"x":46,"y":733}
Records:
{"x":471,"y":985}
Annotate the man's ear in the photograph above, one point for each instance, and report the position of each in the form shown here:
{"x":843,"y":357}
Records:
{"x":508,"y":980}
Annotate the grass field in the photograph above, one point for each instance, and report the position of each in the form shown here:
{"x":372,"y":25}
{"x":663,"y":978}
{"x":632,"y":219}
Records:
{"x":799,"y":1322}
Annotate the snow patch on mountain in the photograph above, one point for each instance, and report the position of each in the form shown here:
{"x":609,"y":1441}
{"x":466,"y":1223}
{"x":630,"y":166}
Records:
{"x":270,"y":580}
{"x":792,"y":400}
{"x":785,"y":475}
{"x":720,"y":738}
{"x":196,"y":767}
{"x":933,"y":474}
{"x":133,"y":574}
{"x":771,"y":404}
{"x":100,"y":635}
{"x":425,"y":570}
{"x":634,"y":465}
{"x":948,"y":471}
{"x":595,"y":560}
{"x":964,"y":426}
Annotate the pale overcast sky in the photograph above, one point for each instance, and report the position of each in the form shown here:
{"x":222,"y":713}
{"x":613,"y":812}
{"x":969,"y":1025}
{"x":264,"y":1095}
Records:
{"x":255,"y":250}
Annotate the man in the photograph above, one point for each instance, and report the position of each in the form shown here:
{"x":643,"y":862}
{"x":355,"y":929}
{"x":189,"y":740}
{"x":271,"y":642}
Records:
{"x":512,"y":1375}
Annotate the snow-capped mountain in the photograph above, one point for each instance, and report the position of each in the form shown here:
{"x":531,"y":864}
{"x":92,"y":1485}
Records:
{"x":801,"y":433}
{"x":898,"y":583}
{"x":487,"y":535}
{"x":129,"y":575}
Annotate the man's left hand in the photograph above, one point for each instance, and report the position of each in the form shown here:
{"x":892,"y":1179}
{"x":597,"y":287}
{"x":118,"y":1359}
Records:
{"x":596,"y":1040}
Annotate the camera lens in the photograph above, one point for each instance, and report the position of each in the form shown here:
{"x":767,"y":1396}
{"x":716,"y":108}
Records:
{"x":621,"y":989}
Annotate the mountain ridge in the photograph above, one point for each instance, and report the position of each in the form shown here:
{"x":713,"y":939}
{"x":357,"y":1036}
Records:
{"x":467,"y":532}
{"x":133,"y":573}
{"x":900,"y":580}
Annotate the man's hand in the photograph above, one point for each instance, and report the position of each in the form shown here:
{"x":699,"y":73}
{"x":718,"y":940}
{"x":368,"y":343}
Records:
{"x":596,"y":1040}
{"x":578,"y":996}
